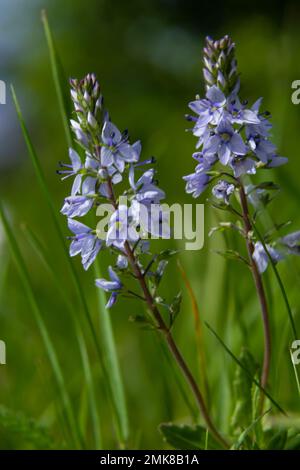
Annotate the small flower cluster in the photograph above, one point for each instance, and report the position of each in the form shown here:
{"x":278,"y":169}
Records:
{"x":228,"y":131}
{"x":108,"y":158}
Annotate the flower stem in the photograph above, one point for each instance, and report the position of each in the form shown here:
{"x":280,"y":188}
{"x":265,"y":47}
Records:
{"x":165,"y":331}
{"x":260,"y":292}
{"x":173,"y":347}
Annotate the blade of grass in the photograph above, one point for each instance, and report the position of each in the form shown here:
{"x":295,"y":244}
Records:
{"x":122,"y":430}
{"x":111,"y":358}
{"x":108,"y":346}
{"x":56,"y":73}
{"x":239,"y":363}
{"x":296,"y":373}
{"x":43,"y":255}
{"x":67,"y":407}
{"x":198,"y":330}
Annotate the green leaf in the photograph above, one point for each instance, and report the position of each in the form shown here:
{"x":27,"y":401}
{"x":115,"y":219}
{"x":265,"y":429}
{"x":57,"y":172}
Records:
{"x":166,"y":254}
{"x":185,"y":437}
{"x":225,"y":226}
{"x":27,"y":429}
{"x":232,"y":255}
{"x":174,"y":308}
{"x":244,"y":439}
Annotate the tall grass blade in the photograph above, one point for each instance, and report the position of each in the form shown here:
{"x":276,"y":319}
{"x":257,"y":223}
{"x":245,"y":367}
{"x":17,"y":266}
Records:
{"x":198,"y":330}
{"x":108,"y":347}
{"x":110,"y":358}
{"x":239,"y":363}
{"x":41,"y":252}
{"x":67,"y":407}
{"x":42,"y":182}
{"x":57,"y":75}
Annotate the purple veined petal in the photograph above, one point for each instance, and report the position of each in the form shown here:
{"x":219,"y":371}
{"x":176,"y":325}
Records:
{"x":75,"y":247}
{"x":131,"y":177}
{"x":87,"y":245}
{"x":88,"y":185}
{"x":225,"y":127}
{"x":236,"y":145}
{"x":111,"y":134}
{"x":108,"y":286}
{"x":277,"y":161}
{"x":104,"y":190}
{"x":204,"y":119}
{"x":292,"y":239}
{"x":112,"y":300}
{"x":146,"y":178}
{"x":216,"y":96}
{"x":82,"y":137}
{"x":90,"y":257}
{"x":76,"y":185}
{"x":122,"y":262}
{"x":224,"y":153}
{"x":113,"y":276}
{"x":77,"y":209}
{"x":212,"y":145}
{"x":77,"y":227}
{"x":255,"y":107}
{"x":137,"y":147}
{"x":75,"y":159}
{"x":128,"y":152}
{"x":199,"y":106}
{"x":116,"y":178}
{"x":241,"y":166}
{"x":75,"y":125}
{"x":91,"y":163}
{"x":199,"y":131}
{"x":250,"y":117}
{"x":119,"y":163}
{"x":260,"y":257}
{"x":107,"y":156}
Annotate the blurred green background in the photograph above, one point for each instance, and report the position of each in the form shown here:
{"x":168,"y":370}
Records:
{"x":147,"y":56}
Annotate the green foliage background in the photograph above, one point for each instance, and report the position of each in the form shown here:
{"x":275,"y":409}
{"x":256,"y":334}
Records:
{"x":147,"y":56}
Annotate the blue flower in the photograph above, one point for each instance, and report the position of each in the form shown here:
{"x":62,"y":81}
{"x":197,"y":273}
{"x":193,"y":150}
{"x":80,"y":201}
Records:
{"x":78,"y":206}
{"x":121,"y":228}
{"x":84,"y":242}
{"x":292,"y":243}
{"x":210,"y":110}
{"x":261,"y":258}
{"x":223,"y":190}
{"x":242,"y":166}
{"x":239,"y":114}
{"x":146,"y":192}
{"x":225,"y":142}
{"x":114,"y":286}
{"x":116,"y":149}
{"x":198,"y":181}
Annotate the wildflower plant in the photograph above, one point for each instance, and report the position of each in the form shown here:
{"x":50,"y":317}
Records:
{"x":111,"y":171}
{"x":233,"y":144}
